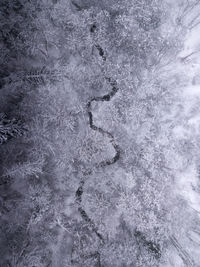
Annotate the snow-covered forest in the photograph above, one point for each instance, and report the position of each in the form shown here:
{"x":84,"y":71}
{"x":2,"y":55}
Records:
{"x":99,"y":133}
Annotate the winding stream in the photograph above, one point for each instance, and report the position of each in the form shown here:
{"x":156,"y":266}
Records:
{"x":106,"y":97}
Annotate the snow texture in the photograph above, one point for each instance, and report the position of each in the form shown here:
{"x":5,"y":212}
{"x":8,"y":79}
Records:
{"x":99,"y":133}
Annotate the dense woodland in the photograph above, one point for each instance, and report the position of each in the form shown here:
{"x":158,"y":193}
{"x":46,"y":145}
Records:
{"x":90,"y":149}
